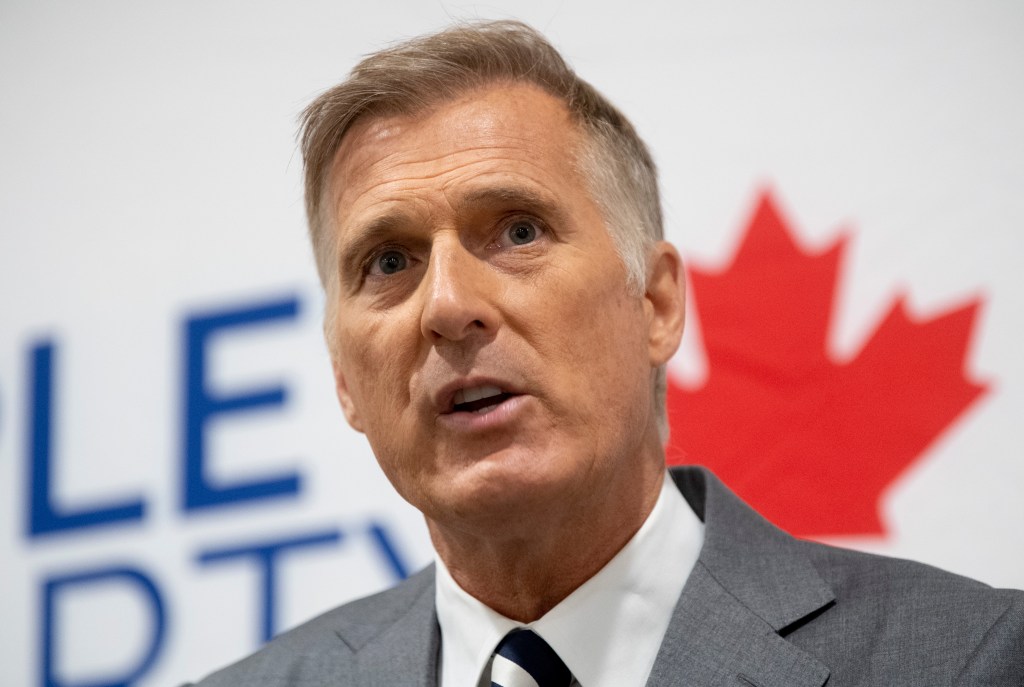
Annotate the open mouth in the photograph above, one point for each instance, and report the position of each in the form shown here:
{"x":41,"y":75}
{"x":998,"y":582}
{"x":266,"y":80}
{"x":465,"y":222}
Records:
{"x":480,"y":399}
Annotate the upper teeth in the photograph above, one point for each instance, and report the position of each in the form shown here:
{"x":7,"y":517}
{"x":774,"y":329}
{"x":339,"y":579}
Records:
{"x":475,"y":394}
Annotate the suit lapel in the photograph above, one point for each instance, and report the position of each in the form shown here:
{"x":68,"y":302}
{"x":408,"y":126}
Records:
{"x":750,"y":582}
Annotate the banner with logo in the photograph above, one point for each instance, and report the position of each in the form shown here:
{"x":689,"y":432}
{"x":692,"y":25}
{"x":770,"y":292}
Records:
{"x":179,"y":485}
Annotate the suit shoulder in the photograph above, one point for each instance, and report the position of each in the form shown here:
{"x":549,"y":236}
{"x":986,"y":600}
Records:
{"x":854,"y":574}
{"x":320,"y":650}
{"x":929,"y":621}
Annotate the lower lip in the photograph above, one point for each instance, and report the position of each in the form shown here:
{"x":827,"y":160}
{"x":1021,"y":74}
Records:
{"x":498,"y":416}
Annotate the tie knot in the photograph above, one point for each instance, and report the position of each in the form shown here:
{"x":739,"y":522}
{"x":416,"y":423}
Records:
{"x":523,"y":651}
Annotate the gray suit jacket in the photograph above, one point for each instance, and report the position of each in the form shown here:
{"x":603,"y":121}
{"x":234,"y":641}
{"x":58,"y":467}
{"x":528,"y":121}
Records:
{"x":760,"y":609}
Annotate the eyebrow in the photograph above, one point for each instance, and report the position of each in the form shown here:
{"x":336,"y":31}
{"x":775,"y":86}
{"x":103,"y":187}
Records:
{"x":513,"y":196}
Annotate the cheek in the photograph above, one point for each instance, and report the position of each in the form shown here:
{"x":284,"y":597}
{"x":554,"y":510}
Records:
{"x":379,"y":361}
{"x":592,"y":340}
{"x":617,"y":359}
{"x":375,"y":369}
{"x":608,"y":320}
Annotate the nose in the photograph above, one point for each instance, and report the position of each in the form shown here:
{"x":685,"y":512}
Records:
{"x":459,"y":292}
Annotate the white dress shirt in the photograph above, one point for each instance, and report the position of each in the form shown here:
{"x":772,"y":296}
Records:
{"x":609,"y":630}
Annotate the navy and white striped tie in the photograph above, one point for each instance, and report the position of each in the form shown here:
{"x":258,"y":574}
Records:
{"x":523,"y":659}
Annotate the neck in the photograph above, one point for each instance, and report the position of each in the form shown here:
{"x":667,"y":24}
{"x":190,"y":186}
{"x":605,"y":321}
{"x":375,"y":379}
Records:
{"x":525,"y":570}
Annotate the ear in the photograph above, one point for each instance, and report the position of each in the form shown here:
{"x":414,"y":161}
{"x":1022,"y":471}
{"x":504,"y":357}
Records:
{"x":348,"y":406}
{"x":665,"y":302}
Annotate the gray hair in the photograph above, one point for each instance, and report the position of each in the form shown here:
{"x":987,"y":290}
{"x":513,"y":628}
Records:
{"x":414,"y":75}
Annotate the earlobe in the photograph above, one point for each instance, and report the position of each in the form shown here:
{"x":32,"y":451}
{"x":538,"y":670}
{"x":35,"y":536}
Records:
{"x":666,"y":302}
{"x":345,"y":399}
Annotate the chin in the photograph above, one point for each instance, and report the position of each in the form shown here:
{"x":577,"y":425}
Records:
{"x":496,"y":489}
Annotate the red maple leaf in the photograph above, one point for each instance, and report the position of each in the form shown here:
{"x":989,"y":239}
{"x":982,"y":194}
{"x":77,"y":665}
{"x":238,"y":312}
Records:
{"x":811,"y":441}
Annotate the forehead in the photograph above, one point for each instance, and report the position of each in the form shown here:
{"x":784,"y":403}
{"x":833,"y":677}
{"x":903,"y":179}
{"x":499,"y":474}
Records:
{"x":500,"y":134}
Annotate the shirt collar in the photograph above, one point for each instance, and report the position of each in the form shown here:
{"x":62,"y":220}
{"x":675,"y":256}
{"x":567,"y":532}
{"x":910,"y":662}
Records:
{"x":609,"y":630}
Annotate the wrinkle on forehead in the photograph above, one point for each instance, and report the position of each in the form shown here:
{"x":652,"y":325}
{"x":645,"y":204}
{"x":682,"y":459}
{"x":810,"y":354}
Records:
{"x":476,"y":122}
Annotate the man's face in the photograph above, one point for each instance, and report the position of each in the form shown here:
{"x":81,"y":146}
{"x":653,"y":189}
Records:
{"x":484,"y":338}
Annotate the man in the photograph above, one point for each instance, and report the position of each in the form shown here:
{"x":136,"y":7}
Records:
{"x":500,"y":309}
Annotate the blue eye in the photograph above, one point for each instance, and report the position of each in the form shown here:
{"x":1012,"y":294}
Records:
{"x":391,"y":261}
{"x":522,"y":232}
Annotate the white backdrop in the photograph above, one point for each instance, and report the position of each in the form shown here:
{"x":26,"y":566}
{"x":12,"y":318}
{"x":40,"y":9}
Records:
{"x":152,"y":229}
